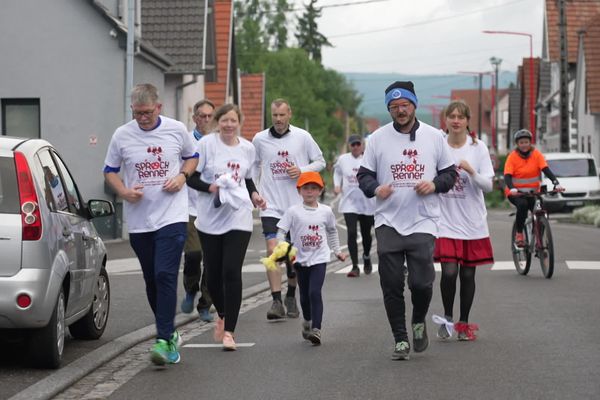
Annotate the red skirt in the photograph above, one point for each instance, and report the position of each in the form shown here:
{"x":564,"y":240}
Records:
{"x":468,"y":253}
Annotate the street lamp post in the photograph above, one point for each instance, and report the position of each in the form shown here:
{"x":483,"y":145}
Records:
{"x":480,"y":105}
{"x":531,"y":85}
{"x":495,"y":61}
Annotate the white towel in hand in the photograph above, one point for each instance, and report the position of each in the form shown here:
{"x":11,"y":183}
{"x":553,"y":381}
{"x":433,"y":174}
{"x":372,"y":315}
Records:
{"x":232,"y":193}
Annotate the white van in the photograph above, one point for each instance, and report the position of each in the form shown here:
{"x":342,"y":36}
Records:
{"x":578,"y":174}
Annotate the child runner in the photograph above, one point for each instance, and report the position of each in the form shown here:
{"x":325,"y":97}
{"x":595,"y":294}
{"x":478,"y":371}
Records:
{"x":307,"y":223}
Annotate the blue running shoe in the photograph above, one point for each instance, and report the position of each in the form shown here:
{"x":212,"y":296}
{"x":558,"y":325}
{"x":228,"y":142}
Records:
{"x":205,"y":315}
{"x":187,"y":305}
{"x":173,"y":356}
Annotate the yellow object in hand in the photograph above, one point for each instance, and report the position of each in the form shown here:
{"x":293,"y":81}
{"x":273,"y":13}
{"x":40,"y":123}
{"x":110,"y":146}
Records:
{"x":282,"y":251}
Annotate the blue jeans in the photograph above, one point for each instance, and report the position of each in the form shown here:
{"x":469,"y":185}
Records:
{"x":310,"y":283}
{"x":159,"y":253}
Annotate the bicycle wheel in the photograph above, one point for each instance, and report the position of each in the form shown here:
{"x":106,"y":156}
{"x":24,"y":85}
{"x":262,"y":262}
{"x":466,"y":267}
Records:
{"x":545,"y":247}
{"x":521,"y":255}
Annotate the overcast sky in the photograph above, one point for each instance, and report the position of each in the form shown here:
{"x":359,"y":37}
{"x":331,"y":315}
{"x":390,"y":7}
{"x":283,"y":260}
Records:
{"x":427,"y":36}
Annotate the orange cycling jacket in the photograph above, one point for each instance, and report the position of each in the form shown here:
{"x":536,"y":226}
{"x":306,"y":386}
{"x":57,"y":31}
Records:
{"x":525,"y":172}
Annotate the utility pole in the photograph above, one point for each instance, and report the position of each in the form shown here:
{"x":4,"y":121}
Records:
{"x":495,"y":61}
{"x":564,"y":79}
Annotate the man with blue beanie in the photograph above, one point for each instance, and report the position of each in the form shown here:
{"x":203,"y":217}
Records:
{"x":406,"y":164}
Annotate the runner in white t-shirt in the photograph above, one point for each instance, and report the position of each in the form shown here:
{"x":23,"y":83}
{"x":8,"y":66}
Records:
{"x":226,"y":196}
{"x":282,"y":153}
{"x":313,"y":231}
{"x":356,"y":207}
{"x":156,"y":155}
{"x":463,"y":241}
{"x":194,"y":280}
{"x":406,"y":164}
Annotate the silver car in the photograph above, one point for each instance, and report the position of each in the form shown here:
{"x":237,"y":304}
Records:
{"x":52,"y":261}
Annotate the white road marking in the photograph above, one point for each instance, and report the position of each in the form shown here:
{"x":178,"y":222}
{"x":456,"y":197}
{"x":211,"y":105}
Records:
{"x":583,"y":264}
{"x":347,"y":269}
{"x":503,"y":266}
{"x":214,"y":345}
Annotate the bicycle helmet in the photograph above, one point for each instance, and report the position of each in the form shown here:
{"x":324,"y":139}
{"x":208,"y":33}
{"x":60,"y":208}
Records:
{"x":522,"y":133}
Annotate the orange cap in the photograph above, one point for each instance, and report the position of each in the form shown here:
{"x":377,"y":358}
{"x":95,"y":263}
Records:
{"x":310,"y":177}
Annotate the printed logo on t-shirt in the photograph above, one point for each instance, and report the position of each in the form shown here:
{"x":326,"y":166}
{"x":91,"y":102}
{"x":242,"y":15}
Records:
{"x":408,"y":171}
{"x":233,"y":169}
{"x":458,"y":190}
{"x":313,"y":239}
{"x":352,"y":180}
{"x":153,"y":170}
{"x":280,"y":165}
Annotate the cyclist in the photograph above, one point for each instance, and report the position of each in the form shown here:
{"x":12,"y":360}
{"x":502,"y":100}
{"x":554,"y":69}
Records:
{"x":522,"y":174}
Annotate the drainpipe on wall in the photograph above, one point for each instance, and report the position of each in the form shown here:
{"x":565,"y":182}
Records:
{"x":129,"y":57}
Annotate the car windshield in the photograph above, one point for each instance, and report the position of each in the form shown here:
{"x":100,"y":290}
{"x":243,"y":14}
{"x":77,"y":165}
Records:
{"x":572,"y":167}
{"x":9,"y":194}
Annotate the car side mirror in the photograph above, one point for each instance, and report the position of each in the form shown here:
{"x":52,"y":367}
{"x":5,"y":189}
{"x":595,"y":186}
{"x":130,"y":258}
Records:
{"x":100,"y":208}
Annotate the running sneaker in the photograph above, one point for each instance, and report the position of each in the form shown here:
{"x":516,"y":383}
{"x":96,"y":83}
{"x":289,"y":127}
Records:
{"x":305,"y":329}
{"x":187,"y":305}
{"x":164,"y":352}
{"x":401,"y":351}
{"x":277,"y":311}
{"x":205,"y":315}
{"x":219,"y":329}
{"x":176,"y":339}
{"x":228,"y":342}
{"x":443,"y":332}
{"x":367,"y":266}
{"x":420,"y":339}
{"x":314,"y":336}
{"x":354,"y":272}
{"x":292,"y":307}
{"x":466,"y":331}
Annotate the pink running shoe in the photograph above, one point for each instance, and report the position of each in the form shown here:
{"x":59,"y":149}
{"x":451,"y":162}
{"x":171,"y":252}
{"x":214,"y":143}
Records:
{"x":228,"y":342}
{"x":219,"y":329}
{"x":465,"y":331}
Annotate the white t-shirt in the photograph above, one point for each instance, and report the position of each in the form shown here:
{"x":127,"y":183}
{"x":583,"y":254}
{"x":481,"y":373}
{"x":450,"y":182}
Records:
{"x":192,"y":194}
{"x":150,"y":158}
{"x":464,"y":215}
{"x":353,"y":199}
{"x":274,"y":155}
{"x":308,"y":231}
{"x":216,"y":159}
{"x":402,"y":163}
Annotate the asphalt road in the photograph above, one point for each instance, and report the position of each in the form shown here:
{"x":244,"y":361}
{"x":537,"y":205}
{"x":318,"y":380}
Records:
{"x":537,"y":340}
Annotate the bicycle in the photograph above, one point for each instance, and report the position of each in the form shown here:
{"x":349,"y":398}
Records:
{"x":538,"y":238}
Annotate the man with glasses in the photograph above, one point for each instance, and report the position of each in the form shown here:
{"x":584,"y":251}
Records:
{"x":194,"y":280}
{"x":355,"y":206}
{"x":157,"y":155}
{"x":406,"y":164}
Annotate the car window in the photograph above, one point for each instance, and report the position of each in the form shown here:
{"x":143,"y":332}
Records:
{"x":9,"y":194}
{"x":72,"y":193}
{"x":572,"y":168}
{"x":54,"y":192}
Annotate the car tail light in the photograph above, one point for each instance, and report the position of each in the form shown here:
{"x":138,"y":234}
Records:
{"x":30,"y":211}
{"x":23,"y":300}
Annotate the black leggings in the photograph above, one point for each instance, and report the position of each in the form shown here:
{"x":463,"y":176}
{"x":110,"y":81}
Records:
{"x":223,"y":259}
{"x":467,"y":289}
{"x":366,"y":223}
{"x":523,"y":204}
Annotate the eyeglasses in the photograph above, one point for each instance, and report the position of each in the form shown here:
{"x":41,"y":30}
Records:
{"x":355,"y":144}
{"x":396,"y":107}
{"x":139,"y":114}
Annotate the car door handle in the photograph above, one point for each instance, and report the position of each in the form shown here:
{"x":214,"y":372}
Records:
{"x":67,"y":232}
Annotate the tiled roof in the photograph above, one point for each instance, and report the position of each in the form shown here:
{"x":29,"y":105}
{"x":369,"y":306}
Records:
{"x":591,"y":44}
{"x":217,"y":90}
{"x":253,"y":104}
{"x":578,"y":14}
{"x":177,"y":29}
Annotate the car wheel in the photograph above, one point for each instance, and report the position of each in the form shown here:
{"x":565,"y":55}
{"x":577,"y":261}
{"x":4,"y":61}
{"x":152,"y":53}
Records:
{"x":47,"y":344}
{"x":92,"y":325}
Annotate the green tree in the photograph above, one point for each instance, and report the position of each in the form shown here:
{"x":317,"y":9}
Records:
{"x":251,"y":40}
{"x":308,"y":36}
{"x":277,"y":26}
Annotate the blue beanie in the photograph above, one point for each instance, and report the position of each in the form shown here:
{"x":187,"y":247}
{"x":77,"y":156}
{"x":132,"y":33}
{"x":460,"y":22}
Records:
{"x":401,"y":90}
